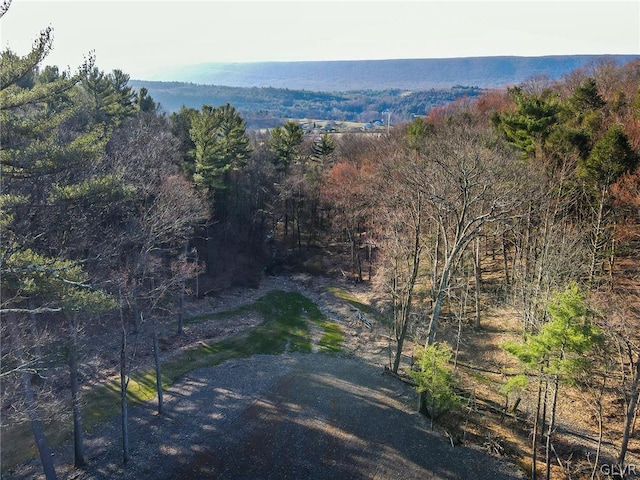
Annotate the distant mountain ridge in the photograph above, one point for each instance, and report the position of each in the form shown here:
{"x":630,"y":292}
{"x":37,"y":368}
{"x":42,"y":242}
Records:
{"x":409,"y":74}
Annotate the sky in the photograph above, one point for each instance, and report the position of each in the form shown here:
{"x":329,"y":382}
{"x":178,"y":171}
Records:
{"x":145,"y":37}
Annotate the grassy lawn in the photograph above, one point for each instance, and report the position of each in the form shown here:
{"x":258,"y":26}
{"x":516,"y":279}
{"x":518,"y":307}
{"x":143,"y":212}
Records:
{"x":284,"y":328}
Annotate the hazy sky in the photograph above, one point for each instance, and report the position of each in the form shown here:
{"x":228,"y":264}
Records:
{"x":141,"y":37}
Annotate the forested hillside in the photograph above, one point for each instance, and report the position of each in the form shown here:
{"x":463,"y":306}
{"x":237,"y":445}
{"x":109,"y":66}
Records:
{"x":524,"y":201}
{"x":262,"y":106}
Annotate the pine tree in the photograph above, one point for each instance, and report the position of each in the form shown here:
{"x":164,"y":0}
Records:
{"x":323,"y":148}
{"x":284,"y":143}
{"x":41,"y":150}
{"x":110,"y":97}
{"x":221,"y":145}
{"x":530,"y":123}
{"x":436,"y":381}
{"x":611,"y":157}
{"x":146,"y":104}
{"x":557,"y":354}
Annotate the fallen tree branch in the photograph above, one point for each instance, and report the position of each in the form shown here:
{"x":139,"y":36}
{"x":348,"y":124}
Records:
{"x":31,"y":310}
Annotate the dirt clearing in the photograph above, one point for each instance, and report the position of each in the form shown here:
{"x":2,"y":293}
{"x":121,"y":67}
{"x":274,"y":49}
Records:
{"x":302,"y":416}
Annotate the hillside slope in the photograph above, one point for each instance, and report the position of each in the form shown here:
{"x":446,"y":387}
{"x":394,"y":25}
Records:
{"x":411,"y":74}
{"x":267,"y":102}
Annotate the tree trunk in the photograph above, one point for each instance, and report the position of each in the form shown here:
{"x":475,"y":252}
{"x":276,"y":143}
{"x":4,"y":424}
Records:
{"x":78,"y":440}
{"x":352,"y":245}
{"x":400,"y":342}
{"x":596,"y":460}
{"x":458,"y":340}
{"x":286,"y":222}
{"x":631,"y":409}
{"x":156,"y":356}
{"x":197,"y":274}
{"x":407,"y":295}
{"x":597,"y":233}
{"x":505,"y":259}
{"x":543,"y":417}
{"x":38,"y":429}
{"x":136,"y":311}
{"x":182,"y":289}
{"x":437,"y":306}
{"x":612,"y":258}
{"x":449,"y":266}
{"x":534,"y":443}
{"x":30,"y":403}
{"x":552,"y":422}
{"x":124,"y":383}
{"x":477,"y":273}
{"x":436,"y":259}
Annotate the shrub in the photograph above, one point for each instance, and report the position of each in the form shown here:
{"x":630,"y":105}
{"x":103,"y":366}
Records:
{"x":436,"y":382}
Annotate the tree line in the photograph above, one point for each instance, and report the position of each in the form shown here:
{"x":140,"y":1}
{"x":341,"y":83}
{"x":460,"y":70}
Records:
{"x":113,"y":211}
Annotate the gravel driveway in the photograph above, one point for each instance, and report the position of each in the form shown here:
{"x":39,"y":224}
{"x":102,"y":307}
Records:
{"x":301,"y":416}
{"x":292,"y":416}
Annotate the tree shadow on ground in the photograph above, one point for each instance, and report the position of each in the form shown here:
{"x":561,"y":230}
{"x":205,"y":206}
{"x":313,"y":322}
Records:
{"x":334,"y":418}
{"x":299,"y":416}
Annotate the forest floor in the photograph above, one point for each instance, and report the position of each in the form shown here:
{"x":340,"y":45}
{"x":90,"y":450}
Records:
{"x":315,"y":415}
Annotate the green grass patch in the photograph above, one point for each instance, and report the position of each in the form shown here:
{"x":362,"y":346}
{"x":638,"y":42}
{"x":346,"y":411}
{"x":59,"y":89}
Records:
{"x":284,"y":328}
{"x":354,"y":301}
{"x":331,"y":341}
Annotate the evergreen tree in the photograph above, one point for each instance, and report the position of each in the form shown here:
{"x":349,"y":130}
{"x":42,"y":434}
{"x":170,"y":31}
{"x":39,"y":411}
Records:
{"x":221,"y":146}
{"x":42,"y":150}
{"x":111,"y":98}
{"x":181,"y":122}
{"x":530,"y":123}
{"x":417,"y":132}
{"x":284,"y":143}
{"x":323,"y":148}
{"x":436,"y":381}
{"x":98,"y":88}
{"x":586,"y":98}
{"x":557,"y":354}
{"x":122,"y":101}
{"x":146,"y":104}
{"x":611,"y":156}
{"x":580,"y":121}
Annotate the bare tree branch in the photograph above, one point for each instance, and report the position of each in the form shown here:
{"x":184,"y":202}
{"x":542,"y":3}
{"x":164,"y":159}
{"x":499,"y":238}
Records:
{"x":4,"y":7}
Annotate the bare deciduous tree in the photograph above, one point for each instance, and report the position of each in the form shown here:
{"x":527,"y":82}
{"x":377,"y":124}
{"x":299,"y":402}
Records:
{"x":467,"y":180}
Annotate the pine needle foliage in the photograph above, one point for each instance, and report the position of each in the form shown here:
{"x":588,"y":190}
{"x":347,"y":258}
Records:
{"x":562,"y":345}
{"x":436,"y":379}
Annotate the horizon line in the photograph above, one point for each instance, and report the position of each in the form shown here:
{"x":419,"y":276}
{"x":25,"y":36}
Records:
{"x":555,"y":55}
